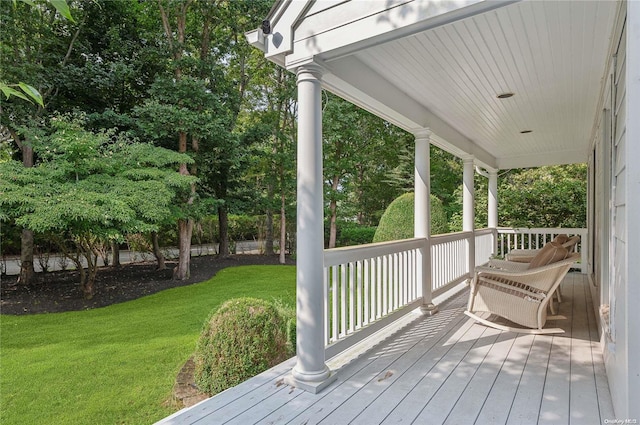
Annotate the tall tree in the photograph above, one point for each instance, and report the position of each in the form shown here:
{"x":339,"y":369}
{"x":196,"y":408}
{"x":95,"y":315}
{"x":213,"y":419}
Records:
{"x":360,"y":151}
{"x":270,"y":127}
{"x":90,"y":189}
{"x":35,"y":48}
{"x":234,"y":66}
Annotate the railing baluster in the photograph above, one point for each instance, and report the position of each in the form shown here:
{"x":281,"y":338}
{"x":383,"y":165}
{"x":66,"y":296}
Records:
{"x":367,"y":292}
{"x":343,"y":300}
{"x":325,"y":294}
{"x":352,"y":298}
{"x":385,"y":285}
{"x":359,"y":295}
{"x":335,"y":275}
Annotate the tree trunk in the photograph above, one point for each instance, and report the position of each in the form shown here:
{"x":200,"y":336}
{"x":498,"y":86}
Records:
{"x":115,"y":249}
{"x":223,"y":221}
{"x":268,"y":234}
{"x":283,"y":229}
{"x":183,"y":271}
{"x":157,"y":251}
{"x":333,"y":208}
{"x":185,"y":227}
{"x":360,"y":192}
{"x":86,"y":291}
{"x":27,"y":272}
{"x":92,"y":271}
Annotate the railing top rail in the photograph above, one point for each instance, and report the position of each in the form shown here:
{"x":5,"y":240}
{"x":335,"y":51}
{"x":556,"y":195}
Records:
{"x":336,"y":256}
{"x":542,"y":230}
{"x":448,"y":237}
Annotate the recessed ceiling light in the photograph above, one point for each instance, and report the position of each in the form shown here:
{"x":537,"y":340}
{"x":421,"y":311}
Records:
{"x":526,"y":131}
{"x":505,"y":95}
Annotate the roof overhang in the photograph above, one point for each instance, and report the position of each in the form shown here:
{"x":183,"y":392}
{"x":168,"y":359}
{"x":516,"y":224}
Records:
{"x":441,"y":65}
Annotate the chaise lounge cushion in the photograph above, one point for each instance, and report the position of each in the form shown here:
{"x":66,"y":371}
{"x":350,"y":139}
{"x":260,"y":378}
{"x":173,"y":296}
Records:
{"x":561,"y":238}
{"x":550,"y":253}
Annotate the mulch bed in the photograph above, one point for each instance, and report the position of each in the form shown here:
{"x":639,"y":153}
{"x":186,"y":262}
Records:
{"x":58,"y":291}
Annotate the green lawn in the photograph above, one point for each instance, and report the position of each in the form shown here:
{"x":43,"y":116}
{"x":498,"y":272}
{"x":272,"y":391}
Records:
{"x":116,"y":365}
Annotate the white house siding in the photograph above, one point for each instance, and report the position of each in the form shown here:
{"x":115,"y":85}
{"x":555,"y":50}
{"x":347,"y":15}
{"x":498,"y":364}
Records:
{"x":632,"y":195}
{"x":617,"y":209}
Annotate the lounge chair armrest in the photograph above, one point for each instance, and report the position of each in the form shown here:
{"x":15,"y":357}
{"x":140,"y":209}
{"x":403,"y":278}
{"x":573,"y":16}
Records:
{"x":508,"y":265}
{"x":514,"y":273}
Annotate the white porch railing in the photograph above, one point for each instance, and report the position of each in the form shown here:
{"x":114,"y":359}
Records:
{"x":367,"y":287}
{"x":485,"y":240}
{"x":535,"y":238}
{"x":449,"y":260}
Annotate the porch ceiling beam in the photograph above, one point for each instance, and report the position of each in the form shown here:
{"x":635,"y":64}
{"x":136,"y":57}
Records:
{"x":357,"y":83}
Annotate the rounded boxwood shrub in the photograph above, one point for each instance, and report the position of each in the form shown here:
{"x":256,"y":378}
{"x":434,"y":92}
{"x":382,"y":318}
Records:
{"x":243,"y":338}
{"x":397,"y":221}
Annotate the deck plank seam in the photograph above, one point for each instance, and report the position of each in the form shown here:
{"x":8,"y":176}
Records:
{"x":345,"y":374}
{"x":450,"y":321}
{"x":425,"y":344}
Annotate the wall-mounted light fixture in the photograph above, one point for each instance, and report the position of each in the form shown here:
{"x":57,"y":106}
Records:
{"x":266,"y":27}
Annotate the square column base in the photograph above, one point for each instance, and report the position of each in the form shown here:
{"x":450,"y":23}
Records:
{"x":311,"y":387}
{"x":429,"y":309}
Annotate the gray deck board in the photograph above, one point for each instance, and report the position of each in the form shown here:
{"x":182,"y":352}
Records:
{"x":444,"y":369}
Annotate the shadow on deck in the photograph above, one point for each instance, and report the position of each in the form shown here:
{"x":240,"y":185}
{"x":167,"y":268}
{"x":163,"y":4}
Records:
{"x":444,"y":369}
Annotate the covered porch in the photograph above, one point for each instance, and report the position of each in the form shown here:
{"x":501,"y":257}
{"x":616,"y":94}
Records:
{"x":501,"y":85}
{"x":442,"y":369}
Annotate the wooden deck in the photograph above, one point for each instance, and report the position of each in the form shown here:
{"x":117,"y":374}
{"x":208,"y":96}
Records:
{"x":444,"y":369}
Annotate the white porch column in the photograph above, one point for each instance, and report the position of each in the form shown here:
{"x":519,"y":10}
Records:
{"x":422,"y":215}
{"x":310,"y":372}
{"x":492,"y":214}
{"x":468,"y":214}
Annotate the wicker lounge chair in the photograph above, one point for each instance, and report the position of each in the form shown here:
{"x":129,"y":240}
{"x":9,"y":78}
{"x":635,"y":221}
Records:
{"x":526,"y":255}
{"x":521,"y":296}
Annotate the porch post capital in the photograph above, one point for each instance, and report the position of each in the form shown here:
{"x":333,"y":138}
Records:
{"x":309,"y":72}
{"x":468,"y":159}
{"x":423,"y":134}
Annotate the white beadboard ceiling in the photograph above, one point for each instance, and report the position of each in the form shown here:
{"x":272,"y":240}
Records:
{"x":551,"y":54}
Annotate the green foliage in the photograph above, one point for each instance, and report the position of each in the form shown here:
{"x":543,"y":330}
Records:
{"x":117,"y":365}
{"x":397,"y":221}
{"x":445,"y":171}
{"x":87,"y":182}
{"x":554,"y":196}
{"x":28,"y":93}
{"x":91,"y":187}
{"x":354,"y":234}
{"x":360,"y":151}
{"x":544,"y":197}
{"x":243,"y":338}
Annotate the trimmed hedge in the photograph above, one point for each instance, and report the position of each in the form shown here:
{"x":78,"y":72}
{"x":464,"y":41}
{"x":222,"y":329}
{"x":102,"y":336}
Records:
{"x":350,"y":234}
{"x":243,"y":338}
{"x":397,"y":221}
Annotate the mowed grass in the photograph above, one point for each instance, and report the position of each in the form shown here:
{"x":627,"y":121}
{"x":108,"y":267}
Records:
{"x":116,"y":365}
